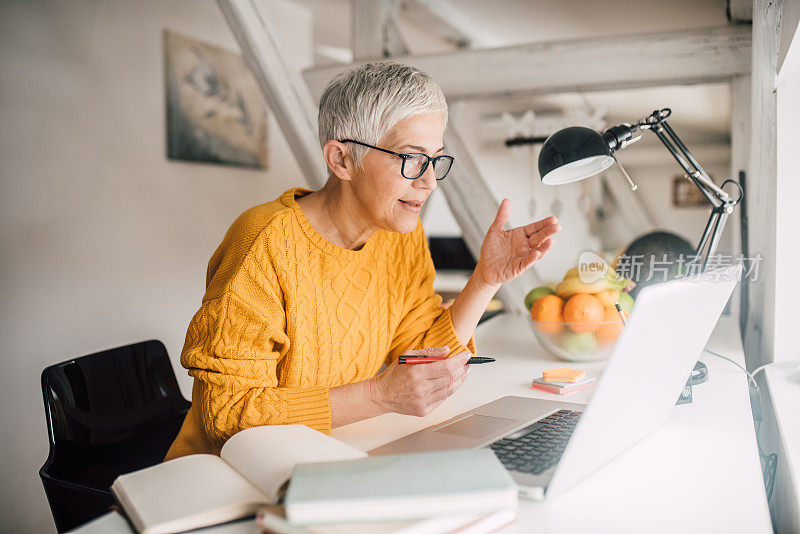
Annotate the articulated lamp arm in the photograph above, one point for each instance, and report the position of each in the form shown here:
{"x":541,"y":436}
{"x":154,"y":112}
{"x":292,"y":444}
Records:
{"x":722,"y":203}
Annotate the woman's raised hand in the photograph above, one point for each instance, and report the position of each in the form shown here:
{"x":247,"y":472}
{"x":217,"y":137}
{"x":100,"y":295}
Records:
{"x":505,"y":254}
{"x":417,"y":389}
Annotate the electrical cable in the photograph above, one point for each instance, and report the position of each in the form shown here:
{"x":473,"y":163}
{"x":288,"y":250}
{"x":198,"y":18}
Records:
{"x":751,"y":376}
{"x":769,"y":462}
{"x":761,"y":368}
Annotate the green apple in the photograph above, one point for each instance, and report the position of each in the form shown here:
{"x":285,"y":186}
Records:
{"x":536,"y":294}
{"x":576,"y":343}
{"x":626,"y":302}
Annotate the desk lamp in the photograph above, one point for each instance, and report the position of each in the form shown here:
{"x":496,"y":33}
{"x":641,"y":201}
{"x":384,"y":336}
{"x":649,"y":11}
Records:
{"x":576,"y":153}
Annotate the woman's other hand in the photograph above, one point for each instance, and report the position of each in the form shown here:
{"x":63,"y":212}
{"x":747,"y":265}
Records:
{"x":416,"y":389}
{"x":505,"y":254}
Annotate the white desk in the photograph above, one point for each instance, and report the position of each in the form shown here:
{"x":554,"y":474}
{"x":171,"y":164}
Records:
{"x":698,"y":473}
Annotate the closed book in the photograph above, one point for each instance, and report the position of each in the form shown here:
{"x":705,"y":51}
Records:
{"x":399,"y":487}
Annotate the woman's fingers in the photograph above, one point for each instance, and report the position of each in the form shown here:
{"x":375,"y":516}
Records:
{"x":538,"y":225}
{"x":448,"y":389}
{"x":452,"y":376}
{"x":543,"y":233}
{"x":438,"y":382}
{"x":452,"y":366}
{"x":532,"y":257}
{"x":435,"y":351}
{"x":503,"y":213}
{"x":416,"y":389}
{"x":545,"y":245}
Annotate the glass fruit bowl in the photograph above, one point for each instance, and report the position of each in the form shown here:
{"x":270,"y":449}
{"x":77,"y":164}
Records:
{"x":577,"y":342}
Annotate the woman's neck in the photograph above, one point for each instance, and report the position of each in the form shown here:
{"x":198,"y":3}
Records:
{"x":335,"y":214}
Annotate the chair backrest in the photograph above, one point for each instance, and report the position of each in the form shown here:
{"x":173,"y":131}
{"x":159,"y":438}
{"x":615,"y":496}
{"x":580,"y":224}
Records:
{"x":107,"y":397}
{"x":107,"y":413}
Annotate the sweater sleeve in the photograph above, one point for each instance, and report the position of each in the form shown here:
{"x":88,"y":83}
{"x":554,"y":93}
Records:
{"x":234,"y":347}
{"x":425,"y":323}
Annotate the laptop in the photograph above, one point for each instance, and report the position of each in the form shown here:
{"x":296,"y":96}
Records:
{"x":549,"y":446}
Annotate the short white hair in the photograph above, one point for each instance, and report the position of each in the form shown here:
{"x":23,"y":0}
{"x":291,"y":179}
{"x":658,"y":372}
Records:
{"x":364,"y":103}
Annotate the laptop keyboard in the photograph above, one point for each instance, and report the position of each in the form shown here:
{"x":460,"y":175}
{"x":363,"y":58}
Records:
{"x":537,"y":447}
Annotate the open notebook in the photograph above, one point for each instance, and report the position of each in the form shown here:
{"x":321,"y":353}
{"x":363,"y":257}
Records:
{"x":203,"y":489}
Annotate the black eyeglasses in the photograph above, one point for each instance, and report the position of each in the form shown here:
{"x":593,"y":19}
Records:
{"x":415,"y":164}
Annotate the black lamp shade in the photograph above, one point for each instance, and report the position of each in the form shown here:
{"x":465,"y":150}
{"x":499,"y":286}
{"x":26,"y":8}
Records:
{"x":573,"y":154}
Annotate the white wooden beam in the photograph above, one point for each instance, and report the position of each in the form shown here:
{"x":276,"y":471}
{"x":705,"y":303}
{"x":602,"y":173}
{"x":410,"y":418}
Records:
{"x":474,"y":208}
{"x":282,"y":86}
{"x":332,"y":54}
{"x":375,"y":33}
{"x":666,"y":58}
{"x":789,"y":23}
{"x":450,"y":22}
{"x":395,"y":44}
{"x":741,"y":126}
{"x":740,"y":11}
{"x":759,"y":333}
{"x":629,"y":202}
{"x":787,"y":253}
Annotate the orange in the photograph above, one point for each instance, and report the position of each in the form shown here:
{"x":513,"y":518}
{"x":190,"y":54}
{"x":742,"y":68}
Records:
{"x":608,"y":297}
{"x":583,"y":308}
{"x":608,"y":333}
{"x":548,"y":308}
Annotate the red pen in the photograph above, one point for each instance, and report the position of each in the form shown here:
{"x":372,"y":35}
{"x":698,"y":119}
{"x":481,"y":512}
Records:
{"x":423,"y":359}
{"x":411,"y":359}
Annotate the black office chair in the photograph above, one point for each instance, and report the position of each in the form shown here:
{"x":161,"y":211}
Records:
{"x":107,"y":413}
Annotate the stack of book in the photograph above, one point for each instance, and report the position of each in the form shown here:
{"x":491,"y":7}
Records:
{"x":332,"y":488}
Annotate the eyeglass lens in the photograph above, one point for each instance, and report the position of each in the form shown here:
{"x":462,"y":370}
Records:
{"x":416,"y":164}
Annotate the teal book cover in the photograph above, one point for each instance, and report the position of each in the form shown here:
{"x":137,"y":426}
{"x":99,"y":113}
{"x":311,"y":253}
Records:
{"x":405,"y":486}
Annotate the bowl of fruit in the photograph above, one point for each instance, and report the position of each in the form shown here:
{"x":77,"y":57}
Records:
{"x":578,"y":321}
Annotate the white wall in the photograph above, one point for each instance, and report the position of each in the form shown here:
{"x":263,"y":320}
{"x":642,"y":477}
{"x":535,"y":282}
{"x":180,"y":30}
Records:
{"x":104,"y":241}
{"x":655,"y":192}
{"x":787,"y":249}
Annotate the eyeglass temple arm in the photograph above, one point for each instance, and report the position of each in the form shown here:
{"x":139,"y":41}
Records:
{"x":369,"y":146}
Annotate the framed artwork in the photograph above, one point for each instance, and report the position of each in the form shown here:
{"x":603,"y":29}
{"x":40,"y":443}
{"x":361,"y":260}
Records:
{"x":215,"y":111}
{"x":686,"y":195}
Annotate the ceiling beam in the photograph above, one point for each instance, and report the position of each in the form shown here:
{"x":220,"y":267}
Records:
{"x":449,"y":22}
{"x":282,"y":86}
{"x":375,"y":32}
{"x":740,"y":11}
{"x":627,"y":61}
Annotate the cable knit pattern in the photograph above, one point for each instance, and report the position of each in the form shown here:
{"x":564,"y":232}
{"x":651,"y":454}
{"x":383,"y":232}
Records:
{"x":287,"y":315}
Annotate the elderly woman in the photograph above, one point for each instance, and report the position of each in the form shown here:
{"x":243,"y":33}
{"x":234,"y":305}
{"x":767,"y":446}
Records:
{"x":309,"y":295}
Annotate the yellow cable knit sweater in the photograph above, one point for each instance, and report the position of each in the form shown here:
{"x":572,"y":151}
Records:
{"x":287,"y":315}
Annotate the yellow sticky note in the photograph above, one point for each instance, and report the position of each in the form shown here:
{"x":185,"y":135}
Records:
{"x":563,"y":374}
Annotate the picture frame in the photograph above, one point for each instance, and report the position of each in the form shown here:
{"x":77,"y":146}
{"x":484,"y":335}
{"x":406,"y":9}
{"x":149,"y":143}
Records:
{"x":215,"y":112}
{"x":686,"y":195}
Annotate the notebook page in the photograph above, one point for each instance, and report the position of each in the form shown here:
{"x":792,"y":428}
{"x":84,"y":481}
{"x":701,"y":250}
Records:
{"x":266,"y":455}
{"x":185,"y":493}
